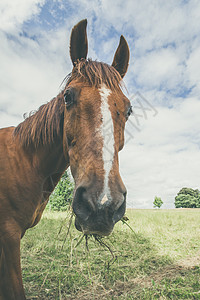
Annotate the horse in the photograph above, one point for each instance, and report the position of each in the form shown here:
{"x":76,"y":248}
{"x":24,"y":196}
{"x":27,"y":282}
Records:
{"x":82,"y":128}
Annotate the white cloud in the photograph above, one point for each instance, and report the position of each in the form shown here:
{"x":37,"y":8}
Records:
{"x":14,"y":13}
{"x":193,"y":68}
{"x":157,"y":68}
{"x":31,"y":72}
{"x":164,"y":156}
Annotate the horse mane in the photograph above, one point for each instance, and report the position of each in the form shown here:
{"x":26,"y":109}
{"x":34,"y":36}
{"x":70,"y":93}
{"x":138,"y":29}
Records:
{"x":43,"y":126}
{"x":46,"y":124}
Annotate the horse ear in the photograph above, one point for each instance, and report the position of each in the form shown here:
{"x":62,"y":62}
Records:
{"x":121,"y":58}
{"x":78,"y":42}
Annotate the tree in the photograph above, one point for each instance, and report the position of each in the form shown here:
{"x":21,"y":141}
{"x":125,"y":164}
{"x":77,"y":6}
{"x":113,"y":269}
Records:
{"x":62,"y":195}
{"x":157,"y":202}
{"x":187,"y":198}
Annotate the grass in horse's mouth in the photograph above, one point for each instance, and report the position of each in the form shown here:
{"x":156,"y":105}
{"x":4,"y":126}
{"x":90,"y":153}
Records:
{"x":100,"y":240}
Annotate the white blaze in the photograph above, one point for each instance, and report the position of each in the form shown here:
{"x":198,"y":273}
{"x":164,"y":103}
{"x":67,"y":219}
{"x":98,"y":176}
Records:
{"x":104,"y":199}
{"x":107,"y":132}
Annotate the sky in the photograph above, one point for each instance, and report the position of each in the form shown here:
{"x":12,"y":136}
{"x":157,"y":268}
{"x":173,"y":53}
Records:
{"x":162,"y":150}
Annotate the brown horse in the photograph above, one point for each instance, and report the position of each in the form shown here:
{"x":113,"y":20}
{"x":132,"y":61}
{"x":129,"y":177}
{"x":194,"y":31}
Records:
{"x":83,"y":127}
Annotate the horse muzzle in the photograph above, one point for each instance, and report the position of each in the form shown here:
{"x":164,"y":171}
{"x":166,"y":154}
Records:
{"x":97,"y":217}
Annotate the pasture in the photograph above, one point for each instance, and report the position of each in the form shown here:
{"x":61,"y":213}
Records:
{"x":159,"y":259}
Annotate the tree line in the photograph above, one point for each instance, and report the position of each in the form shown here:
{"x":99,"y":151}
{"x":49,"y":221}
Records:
{"x":186,"y":198}
{"x":63,"y":194}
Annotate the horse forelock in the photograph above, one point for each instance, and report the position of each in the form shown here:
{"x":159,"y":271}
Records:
{"x":95,"y":74}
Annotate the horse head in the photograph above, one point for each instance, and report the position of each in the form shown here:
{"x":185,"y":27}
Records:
{"x":96,"y":111}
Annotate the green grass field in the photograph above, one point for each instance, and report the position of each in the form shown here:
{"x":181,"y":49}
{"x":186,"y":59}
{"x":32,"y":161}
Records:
{"x":159,"y":259}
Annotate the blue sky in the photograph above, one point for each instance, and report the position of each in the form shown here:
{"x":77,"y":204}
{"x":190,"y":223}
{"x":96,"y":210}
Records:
{"x":162,"y":152}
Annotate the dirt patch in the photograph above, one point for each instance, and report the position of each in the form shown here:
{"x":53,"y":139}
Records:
{"x":170,"y":271}
{"x":191,"y":262}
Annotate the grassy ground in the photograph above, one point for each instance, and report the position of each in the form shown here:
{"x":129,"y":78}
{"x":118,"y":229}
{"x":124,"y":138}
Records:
{"x":159,"y":260}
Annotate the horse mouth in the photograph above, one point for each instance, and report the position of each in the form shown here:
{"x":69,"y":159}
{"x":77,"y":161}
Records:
{"x":90,"y":228}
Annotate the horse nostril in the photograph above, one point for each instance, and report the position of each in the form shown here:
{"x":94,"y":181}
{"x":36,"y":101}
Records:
{"x":119,"y":213}
{"x":81,"y":205}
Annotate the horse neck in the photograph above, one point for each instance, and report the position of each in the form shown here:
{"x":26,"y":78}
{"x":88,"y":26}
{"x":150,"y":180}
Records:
{"x":41,"y":138}
{"x":44,"y":159}
{"x":51,"y":158}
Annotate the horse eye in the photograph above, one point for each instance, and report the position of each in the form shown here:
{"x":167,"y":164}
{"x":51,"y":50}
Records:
{"x":69,"y":98}
{"x":129,"y":112}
